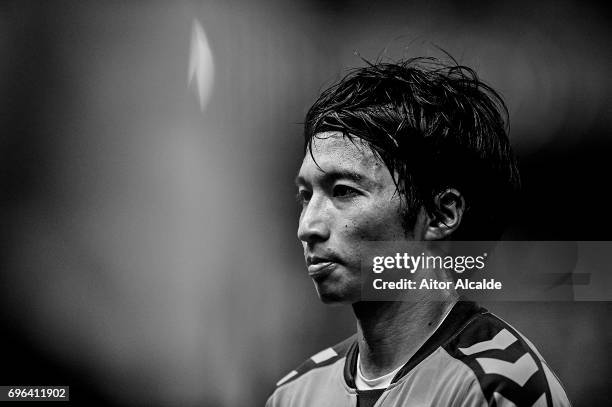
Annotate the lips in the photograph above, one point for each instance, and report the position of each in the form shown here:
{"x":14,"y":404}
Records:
{"x":319,"y":267}
{"x":319,"y":270}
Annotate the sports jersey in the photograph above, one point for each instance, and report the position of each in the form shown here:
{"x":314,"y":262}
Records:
{"x":472,"y":359}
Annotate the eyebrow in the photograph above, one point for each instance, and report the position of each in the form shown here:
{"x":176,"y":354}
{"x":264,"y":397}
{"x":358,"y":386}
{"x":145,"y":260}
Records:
{"x":334,"y":175}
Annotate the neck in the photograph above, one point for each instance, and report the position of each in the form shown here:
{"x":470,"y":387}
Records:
{"x":390,"y":333}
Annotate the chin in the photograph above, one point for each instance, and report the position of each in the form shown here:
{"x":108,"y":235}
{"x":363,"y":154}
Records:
{"x":336,"y":297}
{"x":333,"y":300}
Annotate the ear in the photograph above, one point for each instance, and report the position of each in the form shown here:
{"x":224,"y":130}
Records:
{"x":449,"y":207}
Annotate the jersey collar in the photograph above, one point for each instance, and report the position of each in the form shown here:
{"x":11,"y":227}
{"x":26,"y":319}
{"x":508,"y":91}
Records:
{"x":462,"y":312}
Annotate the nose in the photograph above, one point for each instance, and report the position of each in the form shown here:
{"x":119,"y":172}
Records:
{"x":314,"y":222}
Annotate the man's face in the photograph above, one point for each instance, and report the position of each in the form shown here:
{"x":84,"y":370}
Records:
{"x":349,"y":198}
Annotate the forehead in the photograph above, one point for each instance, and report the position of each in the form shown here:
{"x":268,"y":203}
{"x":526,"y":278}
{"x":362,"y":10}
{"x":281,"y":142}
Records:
{"x":334,"y":152}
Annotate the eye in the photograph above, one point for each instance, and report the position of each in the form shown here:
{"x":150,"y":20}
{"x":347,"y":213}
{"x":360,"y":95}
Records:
{"x":303,"y":196}
{"x":344,"y":191}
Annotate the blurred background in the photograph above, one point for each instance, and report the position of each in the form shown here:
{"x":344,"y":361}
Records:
{"x":148,"y":150}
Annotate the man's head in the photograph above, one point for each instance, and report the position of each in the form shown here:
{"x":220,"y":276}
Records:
{"x":429,"y":142}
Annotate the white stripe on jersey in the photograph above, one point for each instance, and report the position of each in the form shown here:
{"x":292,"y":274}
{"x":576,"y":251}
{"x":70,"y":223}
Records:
{"x":519,"y":371}
{"x":541,"y":402}
{"x":501,"y":401}
{"x":501,"y":341}
{"x":324,"y":355}
{"x":287,"y":377}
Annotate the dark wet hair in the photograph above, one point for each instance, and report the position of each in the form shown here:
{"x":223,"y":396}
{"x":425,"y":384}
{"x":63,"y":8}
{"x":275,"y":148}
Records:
{"x":435,"y":126}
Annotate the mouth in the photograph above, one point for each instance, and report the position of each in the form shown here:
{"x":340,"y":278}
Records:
{"x":319,"y":268}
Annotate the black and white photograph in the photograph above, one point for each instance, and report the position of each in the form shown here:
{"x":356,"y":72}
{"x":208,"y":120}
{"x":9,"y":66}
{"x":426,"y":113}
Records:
{"x":306,"y":203}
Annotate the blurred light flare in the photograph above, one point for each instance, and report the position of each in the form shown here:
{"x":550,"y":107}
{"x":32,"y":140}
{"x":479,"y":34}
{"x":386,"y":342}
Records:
{"x":201,"y":65}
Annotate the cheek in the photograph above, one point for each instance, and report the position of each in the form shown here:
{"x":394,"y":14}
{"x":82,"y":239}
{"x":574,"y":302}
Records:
{"x":382,"y":224}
